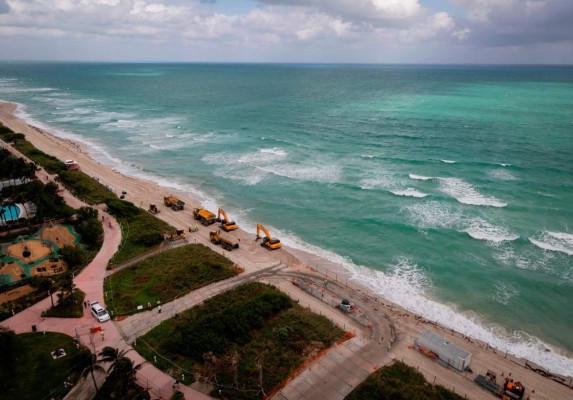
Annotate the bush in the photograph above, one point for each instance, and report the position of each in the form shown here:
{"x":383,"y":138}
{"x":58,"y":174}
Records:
{"x":122,"y":209}
{"x":72,"y":255}
{"x":399,"y":382}
{"x":149,"y":239}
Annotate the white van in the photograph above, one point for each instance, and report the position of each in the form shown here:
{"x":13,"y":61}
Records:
{"x":99,"y":312}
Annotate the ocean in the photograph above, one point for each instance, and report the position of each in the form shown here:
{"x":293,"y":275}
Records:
{"x":447,"y":189}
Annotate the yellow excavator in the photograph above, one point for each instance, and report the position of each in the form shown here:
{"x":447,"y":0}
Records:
{"x":226,"y":224}
{"x":268,"y":242}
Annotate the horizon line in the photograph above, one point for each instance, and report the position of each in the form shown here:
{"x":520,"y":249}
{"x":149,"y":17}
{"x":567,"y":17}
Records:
{"x":284,"y":63}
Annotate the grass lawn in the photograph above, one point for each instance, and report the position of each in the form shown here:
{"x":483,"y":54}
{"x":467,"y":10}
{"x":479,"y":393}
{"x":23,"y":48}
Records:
{"x":36,"y":374}
{"x":165,"y":276}
{"x":235,"y":334}
{"x":134,"y":228}
{"x":399,"y":382}
{"x":69,"y":310}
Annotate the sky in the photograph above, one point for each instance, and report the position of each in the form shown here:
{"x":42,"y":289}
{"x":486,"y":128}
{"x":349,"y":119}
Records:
{"x":296,"y":31}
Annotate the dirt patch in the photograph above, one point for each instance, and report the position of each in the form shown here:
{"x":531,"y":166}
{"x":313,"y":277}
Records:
{"x":28,"y":251}
{"x":14,"y":270}
{"x":59,"y":235}
{"x":49,"y":268}
{"x":15,"y":293}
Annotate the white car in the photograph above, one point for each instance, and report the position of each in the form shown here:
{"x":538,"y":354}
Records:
{"x":99,"y":312}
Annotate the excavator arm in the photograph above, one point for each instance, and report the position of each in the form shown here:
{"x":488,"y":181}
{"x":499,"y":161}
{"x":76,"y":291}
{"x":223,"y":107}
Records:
{"x":225,"y":218}
{"x":262,"y":228}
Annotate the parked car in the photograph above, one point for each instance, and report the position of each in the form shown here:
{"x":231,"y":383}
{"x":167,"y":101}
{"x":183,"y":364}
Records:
{"x":99,"y":312}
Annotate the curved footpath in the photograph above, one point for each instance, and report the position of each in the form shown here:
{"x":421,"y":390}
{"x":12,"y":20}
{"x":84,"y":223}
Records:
{"x":90,"y":281}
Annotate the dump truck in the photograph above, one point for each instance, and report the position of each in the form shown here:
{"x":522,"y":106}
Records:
{"x":153,"y":209}
{"x":204,"y":216}
{"x":226,"y":241}
{"x":226,"y":224}
{"x":177,"y":235}
{"x":173,"y":202}
{"x":268,"y":242}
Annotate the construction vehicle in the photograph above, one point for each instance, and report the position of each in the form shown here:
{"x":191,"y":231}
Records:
{"x":204,"y":216}
{"x":346,"y":306}
{"x":177,"y":235}
{"x":226,"y":241}
{"x":153,"y":209}
{"x":226,"y":224}
{"x":173,"y":202}
{"x":268,"y":242}
{"x":509,"y":390}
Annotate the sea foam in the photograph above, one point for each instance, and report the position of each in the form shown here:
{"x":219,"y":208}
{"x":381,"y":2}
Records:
{"x":465,"y":193}
{"x":482,"y":230}
{"x":409,"y":192}
{"x":420,"y":177}
{"x":554,"y":241}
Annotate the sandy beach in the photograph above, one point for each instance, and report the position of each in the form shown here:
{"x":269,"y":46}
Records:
{"x":254,"y":258}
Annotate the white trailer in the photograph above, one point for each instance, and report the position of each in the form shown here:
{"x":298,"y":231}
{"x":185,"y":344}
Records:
{"x":446,"y":351}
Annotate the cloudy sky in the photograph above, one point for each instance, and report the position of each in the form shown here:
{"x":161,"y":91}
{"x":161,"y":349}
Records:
{"x":319,"y":31}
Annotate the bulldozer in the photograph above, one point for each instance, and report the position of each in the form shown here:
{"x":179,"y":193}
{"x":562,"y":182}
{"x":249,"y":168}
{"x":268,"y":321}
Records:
{"x":226,"y":224}
{"x":226,"y":241}
{"x":153,"y":209}
{"x":268,"y":242}
{"x":177,"y":235}
{"x":204,"y":216}
{"x":173,"y":202}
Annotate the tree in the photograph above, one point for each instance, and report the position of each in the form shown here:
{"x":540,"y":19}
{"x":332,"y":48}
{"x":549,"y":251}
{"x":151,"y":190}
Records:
{"x":72,"y":255}
{"x":87,"y":362}
{"x":121,"y":381}
{"x":8,"y":351}
{"x":67,"y":285}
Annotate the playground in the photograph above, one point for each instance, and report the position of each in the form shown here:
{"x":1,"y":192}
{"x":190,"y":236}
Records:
{"x":36,"y":255}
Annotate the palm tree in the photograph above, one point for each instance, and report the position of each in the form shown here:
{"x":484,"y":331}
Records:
{"x":122,"y":372}
{"x":87,"y":362}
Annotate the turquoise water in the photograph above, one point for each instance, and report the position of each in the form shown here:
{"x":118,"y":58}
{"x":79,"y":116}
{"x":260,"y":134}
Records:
{"x":11,"y":213}
{"x":447,"y":189}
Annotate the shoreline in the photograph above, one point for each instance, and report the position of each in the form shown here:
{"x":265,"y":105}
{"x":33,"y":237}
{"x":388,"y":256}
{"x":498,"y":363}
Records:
{"x":142,"y":191}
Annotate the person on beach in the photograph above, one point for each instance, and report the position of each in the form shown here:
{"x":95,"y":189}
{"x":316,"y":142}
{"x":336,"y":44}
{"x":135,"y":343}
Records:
{"x":159,"y":309}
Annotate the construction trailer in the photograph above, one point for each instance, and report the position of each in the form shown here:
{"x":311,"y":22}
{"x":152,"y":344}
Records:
{"x":445,"y":351}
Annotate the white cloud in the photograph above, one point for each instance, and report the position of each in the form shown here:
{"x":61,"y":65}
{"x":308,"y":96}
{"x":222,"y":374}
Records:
{"x":434,"y":26}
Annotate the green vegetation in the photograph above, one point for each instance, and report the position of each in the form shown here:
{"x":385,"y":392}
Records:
{"x":77,"y":182}
{"x":30,"y":372}
{"x":165,"y":276}
{"x":121,"y":376}
{"x":72,"y":307}
{"x":237,"y":337}
{"x":141,"y":230}
{"x":399,"y":382}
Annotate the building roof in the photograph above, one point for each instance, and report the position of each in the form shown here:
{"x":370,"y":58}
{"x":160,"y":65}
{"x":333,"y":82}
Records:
{"x":439,"y":341}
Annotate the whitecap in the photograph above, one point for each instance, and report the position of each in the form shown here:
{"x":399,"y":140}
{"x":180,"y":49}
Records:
{"x":502,"y":174}
{"x":554,"y":241}
{"x":465,"y":193}
{"x":448,"y":161}
{"x":480,"y":229}
{"x":420,"y":177}
{"x":409,"y":192}
{"x":275,"y":151}
{"x":504,"y":292}
{"x":432,"y":215}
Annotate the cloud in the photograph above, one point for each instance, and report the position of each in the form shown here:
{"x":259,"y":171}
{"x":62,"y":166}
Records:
{"x":517,"y":23}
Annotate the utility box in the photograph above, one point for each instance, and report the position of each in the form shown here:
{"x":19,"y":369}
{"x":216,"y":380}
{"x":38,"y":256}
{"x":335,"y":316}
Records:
{"x":446,"y":351}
